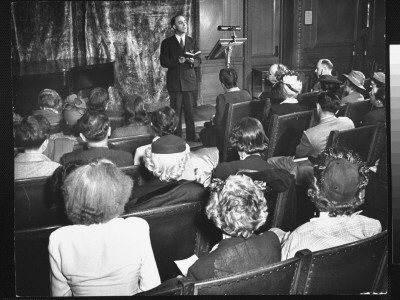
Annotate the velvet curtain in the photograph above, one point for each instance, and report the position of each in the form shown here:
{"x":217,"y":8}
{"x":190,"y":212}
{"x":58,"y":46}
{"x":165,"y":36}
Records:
{"x":128,"y":32}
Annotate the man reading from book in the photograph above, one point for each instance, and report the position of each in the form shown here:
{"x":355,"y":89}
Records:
{"x":179,"y":55}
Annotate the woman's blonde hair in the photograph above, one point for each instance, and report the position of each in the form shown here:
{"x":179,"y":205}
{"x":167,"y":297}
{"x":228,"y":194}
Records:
{"x":96,"y":192}
{"x":166,"y":167}
{"x":239,"y":208}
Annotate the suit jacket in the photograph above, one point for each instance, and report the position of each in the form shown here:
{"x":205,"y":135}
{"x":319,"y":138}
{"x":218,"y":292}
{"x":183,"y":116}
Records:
{"x":236,"y":255}
{"x":223,"y":100}
{"x":350,"y":98}
{"x":314,"y":139}
{"x":119,"y":157}
{"x":180,"y":77}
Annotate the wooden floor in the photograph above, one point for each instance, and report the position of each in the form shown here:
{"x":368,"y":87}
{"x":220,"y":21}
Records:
{"x":202,"y":114}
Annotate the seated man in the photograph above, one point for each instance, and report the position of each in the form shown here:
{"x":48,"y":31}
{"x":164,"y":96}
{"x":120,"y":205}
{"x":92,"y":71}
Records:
{"x":314,"y":139}
{"x":94,"y":128}
{"x":32,"y":134}
{"x":353,"y":87}
{"x":50,"y":104}
{"x":338,"y":188}
{"x":324,"y":67}
{"x":99,"y":100}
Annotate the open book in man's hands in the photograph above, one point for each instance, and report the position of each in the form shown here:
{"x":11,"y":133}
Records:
{"x":192,"y":55}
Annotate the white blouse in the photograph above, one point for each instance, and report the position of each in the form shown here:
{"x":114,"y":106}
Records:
{"x":114,"y":258}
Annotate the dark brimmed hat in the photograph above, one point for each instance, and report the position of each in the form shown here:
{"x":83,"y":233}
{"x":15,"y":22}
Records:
{"x":169,"y":144}
{"x":357,"y":78}
{"x":379,"y":76}
{"x":329,"y":79}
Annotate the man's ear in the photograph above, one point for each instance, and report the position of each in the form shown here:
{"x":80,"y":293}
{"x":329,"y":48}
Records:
{"x":174,"y":27}
{"x":82,"y":137}
{"x":109,"y":131}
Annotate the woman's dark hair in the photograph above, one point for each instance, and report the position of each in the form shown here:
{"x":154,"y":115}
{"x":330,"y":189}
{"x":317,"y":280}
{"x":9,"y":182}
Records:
{"x":98,"y":98}
{"x":134,"y":110}
{"x":330,"y":86}
{"x":32,"y":132}
{"x":228,"y":77}
{"x":277,"y":93}
{"x":328,"y":102}
{"x":248,"y":135}
{"x":164,"y":121}
{"x":94,"y":126}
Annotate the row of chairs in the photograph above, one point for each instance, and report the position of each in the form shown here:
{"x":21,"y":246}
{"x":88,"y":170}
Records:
{"x":355,"y":268}
{"x":284,"y":132}
{"x":176,"y":232}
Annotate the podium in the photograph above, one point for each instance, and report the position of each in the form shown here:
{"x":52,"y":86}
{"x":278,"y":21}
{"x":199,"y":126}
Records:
{"x":224,"y":48}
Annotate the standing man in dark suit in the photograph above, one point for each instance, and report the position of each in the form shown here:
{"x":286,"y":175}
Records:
{"x":181,"y":76}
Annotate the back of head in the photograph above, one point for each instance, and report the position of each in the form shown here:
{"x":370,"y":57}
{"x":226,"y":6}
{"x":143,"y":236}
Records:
{"x":96,"y":192}
{"x":329,"y":102}
{"x":293,"y":84}
{"x":327,"y":64}
{"x":167,"y":157}
{"x":50,"y":99}
{"x":237,"y":206}
{"x":164,"y":121}
{"x":32,"y":132}
{"x":73,"y":109}
{"x":340,"y":178}
{"x":278,"y":94}
{"x":248,"y":136}
{"x":94,"y":126}
{"x":228,"y":77}
{"x":98,"y":99}
{"x":134,"y":110}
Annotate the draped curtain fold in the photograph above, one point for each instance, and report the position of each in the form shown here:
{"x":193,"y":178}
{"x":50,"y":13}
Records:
{"x":128,"y":32}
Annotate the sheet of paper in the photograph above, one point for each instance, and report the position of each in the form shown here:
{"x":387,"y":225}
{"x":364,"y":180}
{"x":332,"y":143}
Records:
{"x":185,"y":264}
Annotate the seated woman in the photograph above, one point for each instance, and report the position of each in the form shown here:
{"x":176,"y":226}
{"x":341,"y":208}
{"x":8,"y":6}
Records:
{"x":378,"y":100}
{"x":163,"y":122}
{"x":238,"y":207}
{"x":32,"y":134}
{"x":168,"y":159}
{"x":213,"y":130}
{"x":50,"y":105}
{"x":249,"y":139}
{"x":136,"y":119}
{"x":101,"y":254}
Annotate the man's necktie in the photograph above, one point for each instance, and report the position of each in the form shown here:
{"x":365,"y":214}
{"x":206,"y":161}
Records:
{"x":181,"y":43}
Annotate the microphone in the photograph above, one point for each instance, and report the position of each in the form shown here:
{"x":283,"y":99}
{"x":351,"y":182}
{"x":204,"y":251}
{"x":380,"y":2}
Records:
{"x":229,"y":28}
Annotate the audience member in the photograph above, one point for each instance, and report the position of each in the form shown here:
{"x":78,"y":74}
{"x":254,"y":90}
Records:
{"x":249,"y":139}
{"x":49,"y":102}
{"x":338,"y":188}
{"x":331,"y":85}
{"x":275,"y":74}
{"x":377,"y":98}
{"x":168,"y":159}
{"x":211,"y":135}
{"x":238,"y":207}
{"x":32,"y":134}
{"x":136,"y":119}
{"x":314,"y":139}
{"x":353,"y":87}
{"x":94,"y":128}
{"x":324,"y":67}
{"x":98,"y":99}
{"x":163,"y":122}
{"x":101,"y":254}
{"x":73,"y":109}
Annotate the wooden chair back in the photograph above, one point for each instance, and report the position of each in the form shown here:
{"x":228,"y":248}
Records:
{"x":357,"y":110}
{"x":130,"y":144}
{"x":276,"y":279}
{"x":233,"y":113}
{"x":367,"y":141}
{"x":177,"y":232}
{"x":284,"y":132}
{"x":308,"y":100}
{"x":353,"y":268}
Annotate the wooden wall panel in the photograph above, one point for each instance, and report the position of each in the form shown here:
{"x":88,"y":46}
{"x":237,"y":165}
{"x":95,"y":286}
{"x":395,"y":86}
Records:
{"x":262,"y":36}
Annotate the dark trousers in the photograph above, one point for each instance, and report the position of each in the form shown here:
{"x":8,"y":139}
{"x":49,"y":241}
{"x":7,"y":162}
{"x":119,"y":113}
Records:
{"x":184,"y":101}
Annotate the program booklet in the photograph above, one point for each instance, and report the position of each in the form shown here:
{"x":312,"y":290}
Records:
{"x":193,"y":55}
